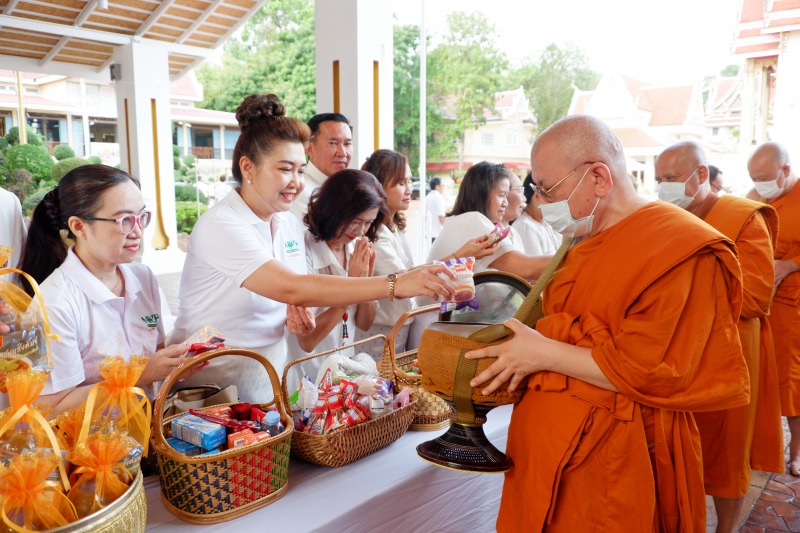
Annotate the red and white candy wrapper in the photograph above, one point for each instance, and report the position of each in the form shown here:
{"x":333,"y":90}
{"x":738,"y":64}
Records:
{"x":462,"y":268}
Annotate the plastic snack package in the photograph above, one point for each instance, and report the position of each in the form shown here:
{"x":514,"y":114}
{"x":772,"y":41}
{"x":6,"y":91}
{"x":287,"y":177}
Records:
{"x":118,"y":390}
{"x":30,"y":502}
{"x":27,"y":345}
{"x":463,"y":269}
{"x":99,"y":478}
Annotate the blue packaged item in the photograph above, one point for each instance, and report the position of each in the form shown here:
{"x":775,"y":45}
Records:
{"x":210,"y":452}
{"x":186,"y":448}
{"x":199,"y":432}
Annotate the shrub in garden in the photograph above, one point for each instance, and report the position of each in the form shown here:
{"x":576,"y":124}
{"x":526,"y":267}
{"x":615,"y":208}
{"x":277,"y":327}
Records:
{"x":31,"y":157}
{"x":33,"y":138}
{"x":65,"y":165}
{"x":30,"y":203}
{"x":94,"y":160}
{"x":186,"y":215}
{"x":188,"y":193}
{"x":63,"y":151}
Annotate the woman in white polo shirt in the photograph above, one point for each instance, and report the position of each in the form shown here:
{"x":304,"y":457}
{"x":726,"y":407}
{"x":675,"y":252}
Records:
{"x":247,"y":259}
{"x":98,"y":300}
{"x":342,"y":223}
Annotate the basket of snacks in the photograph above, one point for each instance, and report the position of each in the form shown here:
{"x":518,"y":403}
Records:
{"x":219,"y":463}
{"x":343,"y":419}
{"x":432,"y":413}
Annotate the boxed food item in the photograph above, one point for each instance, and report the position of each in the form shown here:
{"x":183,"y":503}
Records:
{"x":199,"y":432}
{"x":186,"y":448}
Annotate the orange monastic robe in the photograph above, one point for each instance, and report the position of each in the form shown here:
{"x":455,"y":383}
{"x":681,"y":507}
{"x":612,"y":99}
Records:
{"x":784,"y":316}
{"x":656,"y":298}
{"x":727,"y":436}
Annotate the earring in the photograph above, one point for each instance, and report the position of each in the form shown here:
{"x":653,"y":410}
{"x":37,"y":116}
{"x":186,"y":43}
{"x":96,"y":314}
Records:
{"x":249,"y":180}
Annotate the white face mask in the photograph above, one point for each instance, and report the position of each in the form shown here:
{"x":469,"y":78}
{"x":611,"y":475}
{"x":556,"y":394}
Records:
{"x":675,"y":192}
{"x":559,"y":216}
{"x":768,"y":189}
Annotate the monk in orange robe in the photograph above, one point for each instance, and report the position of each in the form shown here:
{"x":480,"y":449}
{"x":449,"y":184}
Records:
{"x":635,"y":320}
{"x":771,"y":171}
{"x":727,"y":437}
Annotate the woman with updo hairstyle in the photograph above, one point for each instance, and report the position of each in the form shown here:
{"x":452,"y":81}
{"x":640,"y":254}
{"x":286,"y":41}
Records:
{"x":391,"y":249}
{"x":97,"y":296}
{"x":245,"y":270}
{"x":342,"y":222}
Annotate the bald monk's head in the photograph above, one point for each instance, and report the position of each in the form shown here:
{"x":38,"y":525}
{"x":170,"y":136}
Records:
{"x":771,"y":171}
{"x":579,"y":159}
{"x":682,"y":176}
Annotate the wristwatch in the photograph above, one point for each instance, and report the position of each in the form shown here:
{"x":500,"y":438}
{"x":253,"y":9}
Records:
{"x":391,"y":278}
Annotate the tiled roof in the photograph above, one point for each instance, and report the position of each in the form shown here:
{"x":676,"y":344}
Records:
{"x":669,"y":105}
{"x":637,"y":138}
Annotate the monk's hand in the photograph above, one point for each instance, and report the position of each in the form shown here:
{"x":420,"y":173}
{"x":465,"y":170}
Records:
{"x":517,"y":358}
{"x":784,"y":267}
{"x":5,"y":309}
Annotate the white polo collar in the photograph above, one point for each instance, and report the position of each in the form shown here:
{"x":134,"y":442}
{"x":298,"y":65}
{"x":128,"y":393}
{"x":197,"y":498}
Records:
{"x":74,"y":269}
{"x":322,"y":256}
{"x":315,"y":176}
{"x":245,"y":212}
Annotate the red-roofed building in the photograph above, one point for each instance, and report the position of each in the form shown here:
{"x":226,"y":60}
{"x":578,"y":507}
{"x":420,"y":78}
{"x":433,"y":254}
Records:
{"x":83,"y":114}
{"x":505,"y":137}
{"x":768,"y":38}
{"x":647,"y":118}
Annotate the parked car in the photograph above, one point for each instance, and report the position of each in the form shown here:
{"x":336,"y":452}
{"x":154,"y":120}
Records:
{"x":415,"y":187}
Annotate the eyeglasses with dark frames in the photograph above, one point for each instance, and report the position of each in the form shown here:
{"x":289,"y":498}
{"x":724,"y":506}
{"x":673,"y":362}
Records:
{"x":128,"y":222}
{"x":545,"y":193}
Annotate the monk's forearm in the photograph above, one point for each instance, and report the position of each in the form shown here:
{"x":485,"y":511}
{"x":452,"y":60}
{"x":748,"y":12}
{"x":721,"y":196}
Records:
{"x":578,"y":363}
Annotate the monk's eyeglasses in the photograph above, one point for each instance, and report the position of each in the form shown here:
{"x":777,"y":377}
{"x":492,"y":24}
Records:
{"x":545,"y":193}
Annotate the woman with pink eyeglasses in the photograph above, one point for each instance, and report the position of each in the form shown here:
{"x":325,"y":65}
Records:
{"x":99,"y":301}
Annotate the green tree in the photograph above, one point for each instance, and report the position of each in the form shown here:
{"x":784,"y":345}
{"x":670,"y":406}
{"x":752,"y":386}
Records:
{"x":61,"y":168}
{"x":730,"y":71}
{"x":464,"y":73}
{"x":550,"y":81}
{"x":31,"y":157}
{"x":273,"y":54}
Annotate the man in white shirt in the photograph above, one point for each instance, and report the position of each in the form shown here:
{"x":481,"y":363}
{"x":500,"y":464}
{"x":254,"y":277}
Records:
{"x":12,"y":226}
{"x":329,"y":151}
{"x":435,"y":207}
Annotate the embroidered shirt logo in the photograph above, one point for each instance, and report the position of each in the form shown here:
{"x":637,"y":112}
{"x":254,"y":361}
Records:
{"x":151,"y":320}
{"x":291,"y":247}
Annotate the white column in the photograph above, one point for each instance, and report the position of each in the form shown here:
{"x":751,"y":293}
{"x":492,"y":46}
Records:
{"x":358,"y":35}
{"x":222,"y":142}
{"x":87,"y":141}
{"x":145,"y":133}
{"x":787,"y":96}
{"x":185,"y":131}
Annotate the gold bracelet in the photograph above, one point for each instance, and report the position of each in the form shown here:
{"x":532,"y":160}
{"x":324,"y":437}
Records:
{"x":391,"y":278}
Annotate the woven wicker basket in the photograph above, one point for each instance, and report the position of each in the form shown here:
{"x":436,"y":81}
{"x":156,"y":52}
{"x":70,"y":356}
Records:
{"x":432,"y":413}
{"x":126,"y":514}
{"x":348,"y":445}
{"x":216,"y":488}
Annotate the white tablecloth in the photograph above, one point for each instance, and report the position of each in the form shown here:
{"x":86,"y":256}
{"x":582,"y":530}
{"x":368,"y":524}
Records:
{"x":391,"y":490}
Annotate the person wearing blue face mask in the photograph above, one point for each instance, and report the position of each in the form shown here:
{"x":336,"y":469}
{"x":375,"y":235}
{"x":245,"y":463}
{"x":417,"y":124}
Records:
{"x":776,"y":184}
{"x":734,"y":440}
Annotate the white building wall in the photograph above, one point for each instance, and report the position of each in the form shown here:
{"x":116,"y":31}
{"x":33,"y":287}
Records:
{"x":786,"y":127}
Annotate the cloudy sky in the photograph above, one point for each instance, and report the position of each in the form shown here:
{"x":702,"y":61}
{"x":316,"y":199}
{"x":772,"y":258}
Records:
{"x":660,"y":41}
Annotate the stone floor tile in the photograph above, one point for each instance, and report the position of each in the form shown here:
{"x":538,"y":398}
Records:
{"x":786,"y":508}
{"x":772,"y":496}
{"x":777,"y":486}
{"x":793,"y":523}
{"x":767,"y":521}
{"x":764,"y":507}
{"x":785,"y":478}
{"x":752,"y":529}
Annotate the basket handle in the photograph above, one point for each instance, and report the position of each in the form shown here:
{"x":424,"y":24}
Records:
{"x":284,"y":386}
{"x":172,"y":378}
{"x":388,"y":368}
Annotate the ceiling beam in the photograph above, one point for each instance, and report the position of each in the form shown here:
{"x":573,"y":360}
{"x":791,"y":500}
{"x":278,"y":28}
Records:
{"x":87,"y":11}
{"x":74,"y":70}
{"x":200,"y":20}
{"x":153,"y":18}
{"x":62,"y":30}
{"x":10,"y":7}
{"x":55,"y":50}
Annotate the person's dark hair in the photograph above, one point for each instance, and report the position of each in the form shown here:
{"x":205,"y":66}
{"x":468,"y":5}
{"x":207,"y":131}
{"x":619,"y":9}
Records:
{"x":713,"y":172}
{"x":527,"y":187}
{"x":263,"y":123}
{"x":435,"y":182}
{"x":340,"y":199}
{"x":390,"y":168}
{"x":316,"y":120}
{"x":78,"y":194}
{"x":476,"y":186}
